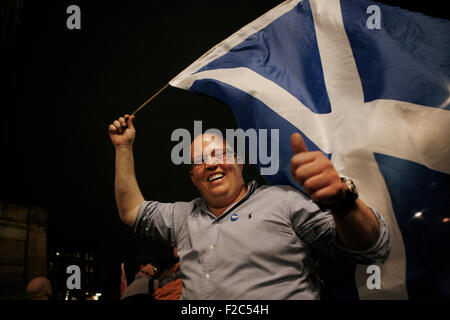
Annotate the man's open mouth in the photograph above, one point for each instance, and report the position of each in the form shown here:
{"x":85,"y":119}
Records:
{"x":216,"y":176}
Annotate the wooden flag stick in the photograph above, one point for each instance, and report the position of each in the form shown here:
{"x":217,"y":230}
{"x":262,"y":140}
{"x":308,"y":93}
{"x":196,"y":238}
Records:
{"x":159,"y":91}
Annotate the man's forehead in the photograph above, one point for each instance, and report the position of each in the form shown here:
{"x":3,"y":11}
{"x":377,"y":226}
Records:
{"x":208,"y":142}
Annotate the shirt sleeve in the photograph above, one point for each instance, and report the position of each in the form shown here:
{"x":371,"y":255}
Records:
{"x":317,"y":228}
{"x":155,"y":220}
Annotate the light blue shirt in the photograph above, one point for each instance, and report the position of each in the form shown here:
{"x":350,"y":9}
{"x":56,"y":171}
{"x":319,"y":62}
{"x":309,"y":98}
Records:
{"x":260,"y":248}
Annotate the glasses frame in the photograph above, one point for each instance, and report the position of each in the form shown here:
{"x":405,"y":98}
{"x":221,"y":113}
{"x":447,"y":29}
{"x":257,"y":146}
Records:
{"x":228,"y":152}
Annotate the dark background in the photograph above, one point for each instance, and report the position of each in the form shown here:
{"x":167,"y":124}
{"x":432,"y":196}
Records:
{"x":62,"y":88}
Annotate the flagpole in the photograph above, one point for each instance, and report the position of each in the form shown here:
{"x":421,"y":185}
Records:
{"x":143,"y":105}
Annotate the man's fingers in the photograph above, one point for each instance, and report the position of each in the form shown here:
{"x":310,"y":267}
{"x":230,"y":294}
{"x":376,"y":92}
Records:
{"x":122,"y":121}
{"x":307,"y":165}
{"x":297,"y":143}
{"x":326,"y":194}
{"x":316,"y":182}
{"x":314,"y":171}
{"x":118,"y":126}
{"x":129,"y":120}
{"x":301,"y":159}
{"x":112,"y":129}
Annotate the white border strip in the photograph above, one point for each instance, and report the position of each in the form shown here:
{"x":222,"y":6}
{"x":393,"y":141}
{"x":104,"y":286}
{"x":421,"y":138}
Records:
{"x":182,"y":80}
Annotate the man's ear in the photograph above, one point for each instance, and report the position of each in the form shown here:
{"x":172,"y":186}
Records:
{"x":191,"y":175}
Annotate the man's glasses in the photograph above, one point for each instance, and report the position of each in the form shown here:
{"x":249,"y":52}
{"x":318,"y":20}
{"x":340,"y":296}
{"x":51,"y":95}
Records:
{"x":216,"y":156}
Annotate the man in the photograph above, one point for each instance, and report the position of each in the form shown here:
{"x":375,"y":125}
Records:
{"x":39,"y":288}
{"x":143,"y":285}
{"x":243,"y":242}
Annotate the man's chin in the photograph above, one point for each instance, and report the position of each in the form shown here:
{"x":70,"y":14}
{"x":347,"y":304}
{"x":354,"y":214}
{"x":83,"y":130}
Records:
{"x":214,"y":191}
{"x":218,"y":190}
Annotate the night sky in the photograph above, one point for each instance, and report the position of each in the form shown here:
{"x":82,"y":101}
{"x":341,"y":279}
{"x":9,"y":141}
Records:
{"x":64,"y":87}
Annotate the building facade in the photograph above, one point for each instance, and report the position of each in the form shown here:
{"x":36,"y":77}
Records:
{"x":23,"y":248}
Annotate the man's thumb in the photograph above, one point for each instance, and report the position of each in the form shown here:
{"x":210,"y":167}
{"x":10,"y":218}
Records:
{"x":297,"y":143}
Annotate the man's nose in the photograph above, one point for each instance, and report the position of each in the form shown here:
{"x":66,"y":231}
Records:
{"x":211,"y":166}
{"x":210,"y":163}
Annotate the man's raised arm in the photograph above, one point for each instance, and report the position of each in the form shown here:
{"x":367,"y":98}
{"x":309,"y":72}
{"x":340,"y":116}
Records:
{"x":127,"y":192}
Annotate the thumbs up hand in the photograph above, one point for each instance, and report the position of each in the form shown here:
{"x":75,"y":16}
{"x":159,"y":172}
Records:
{"x":315,"y":173}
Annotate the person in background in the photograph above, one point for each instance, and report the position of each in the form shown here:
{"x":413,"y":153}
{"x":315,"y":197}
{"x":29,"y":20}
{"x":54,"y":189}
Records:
{"x":39,"y":288}
{"x":144,"y":284}
{"x":170,"y":284}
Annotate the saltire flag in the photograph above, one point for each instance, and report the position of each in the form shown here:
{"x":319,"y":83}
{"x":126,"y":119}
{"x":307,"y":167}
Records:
{"x":375,"y":99}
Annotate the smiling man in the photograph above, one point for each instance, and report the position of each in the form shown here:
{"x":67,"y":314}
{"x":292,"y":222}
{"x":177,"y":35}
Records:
{"x":241,"y":241}
{"x":215,"y":173}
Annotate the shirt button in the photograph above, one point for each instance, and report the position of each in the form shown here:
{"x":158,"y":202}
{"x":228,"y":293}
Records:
{"x":207,"y":276}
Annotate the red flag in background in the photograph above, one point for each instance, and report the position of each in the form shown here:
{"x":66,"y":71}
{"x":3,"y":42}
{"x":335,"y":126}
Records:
{"x":123,"y":280}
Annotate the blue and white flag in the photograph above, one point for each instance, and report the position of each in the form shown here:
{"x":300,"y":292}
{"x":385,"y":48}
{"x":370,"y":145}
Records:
{"x":368,"y":85}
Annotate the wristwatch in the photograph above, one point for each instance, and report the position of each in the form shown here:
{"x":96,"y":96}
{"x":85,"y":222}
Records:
{"x":343,"y":203}
{"x":351,"y":192}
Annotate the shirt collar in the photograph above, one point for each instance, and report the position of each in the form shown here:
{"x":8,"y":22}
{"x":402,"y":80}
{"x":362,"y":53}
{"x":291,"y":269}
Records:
{"x":201,"y":202}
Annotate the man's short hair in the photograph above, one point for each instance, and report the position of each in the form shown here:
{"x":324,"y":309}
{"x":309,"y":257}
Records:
{"x":142,"y":260}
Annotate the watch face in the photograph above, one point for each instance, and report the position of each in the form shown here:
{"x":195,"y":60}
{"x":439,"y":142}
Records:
{"x":352,"y":193}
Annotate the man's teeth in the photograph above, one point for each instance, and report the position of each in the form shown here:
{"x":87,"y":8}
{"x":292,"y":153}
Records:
{"x":215,"y":177}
